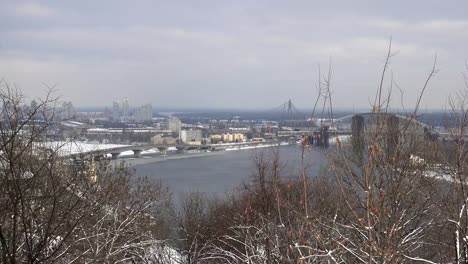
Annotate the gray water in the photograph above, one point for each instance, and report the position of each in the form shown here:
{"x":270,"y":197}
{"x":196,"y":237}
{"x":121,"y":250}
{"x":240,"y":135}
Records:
{"x":221,"y":172}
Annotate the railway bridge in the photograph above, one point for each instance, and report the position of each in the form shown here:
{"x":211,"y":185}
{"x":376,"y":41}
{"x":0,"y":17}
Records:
{"x":115,"y":152}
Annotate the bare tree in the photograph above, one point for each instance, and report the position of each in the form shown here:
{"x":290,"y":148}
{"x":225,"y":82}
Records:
{"x":391,"y":209}
{"x":54,"y":209}
{"x":451,"y":163}
{"x":378,"y":207}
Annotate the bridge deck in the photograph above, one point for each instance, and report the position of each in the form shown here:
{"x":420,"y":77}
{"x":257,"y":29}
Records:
{"x":139,"y":148}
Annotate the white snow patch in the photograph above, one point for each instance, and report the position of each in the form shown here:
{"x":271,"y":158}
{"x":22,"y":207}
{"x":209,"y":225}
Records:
{"x":76,"y":147}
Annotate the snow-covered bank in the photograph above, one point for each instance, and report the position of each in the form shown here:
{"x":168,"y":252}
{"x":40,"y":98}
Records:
{"x":257,"y":146}
{"x":65,"y":148}
{"x":129,"y":153}
{"x":342,"y":138}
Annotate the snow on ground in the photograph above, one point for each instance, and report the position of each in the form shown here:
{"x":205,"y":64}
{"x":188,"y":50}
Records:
{"x":150,"y":151}
{"x":437,"y":171}
{"x":65,"y":148}
{"x":342,"y":138}
{"x":129,"y":153}
{"x":256,"y":146}
{"x":166,"y":254}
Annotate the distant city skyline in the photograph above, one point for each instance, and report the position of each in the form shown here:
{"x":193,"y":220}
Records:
{"x":231,"y":55}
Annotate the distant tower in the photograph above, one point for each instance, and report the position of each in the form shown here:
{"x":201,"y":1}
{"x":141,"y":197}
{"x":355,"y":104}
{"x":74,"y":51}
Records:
{"x":124,"y":109}
{"x":33,"y":104}
{"x":68,"y":110}
{"x":32,"y":108}
{"x":143,"y":113}
{"x":116,"y":111}
{"x":173,"y":124}
{"x":149,"y":112}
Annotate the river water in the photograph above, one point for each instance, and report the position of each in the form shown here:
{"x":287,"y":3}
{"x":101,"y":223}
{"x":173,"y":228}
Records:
{"x":216,"y":173}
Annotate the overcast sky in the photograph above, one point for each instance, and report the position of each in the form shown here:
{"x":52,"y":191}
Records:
{"x":231,"y":54}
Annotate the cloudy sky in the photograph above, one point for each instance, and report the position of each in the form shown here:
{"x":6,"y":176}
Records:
{"x":231,"y":54}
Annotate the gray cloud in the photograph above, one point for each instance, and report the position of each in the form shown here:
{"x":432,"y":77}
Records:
{"x":246,"y":54}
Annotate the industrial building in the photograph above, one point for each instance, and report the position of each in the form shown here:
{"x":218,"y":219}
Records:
{"x":191,"y":136}
{"x":163,"y":140}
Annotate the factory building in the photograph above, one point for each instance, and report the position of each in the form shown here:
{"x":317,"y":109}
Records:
{"x":193,"y":137}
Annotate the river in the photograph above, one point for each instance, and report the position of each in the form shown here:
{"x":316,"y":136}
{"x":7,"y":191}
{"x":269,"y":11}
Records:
{"x":216,"y":173}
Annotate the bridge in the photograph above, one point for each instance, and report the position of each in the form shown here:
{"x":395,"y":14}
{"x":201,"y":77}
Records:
{"x":372,"y":114}
{"x":368,"y":115}
{"x":138,"y":149}
{"x":445,"y":135}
